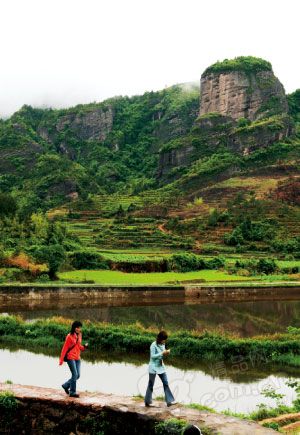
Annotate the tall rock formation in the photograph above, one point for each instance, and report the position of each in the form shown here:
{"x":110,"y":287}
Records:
{"x":242,"y":88}
{"x":243,"y":107}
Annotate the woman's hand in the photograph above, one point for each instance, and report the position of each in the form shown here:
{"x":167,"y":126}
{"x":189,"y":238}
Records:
{"x":166,"y":352}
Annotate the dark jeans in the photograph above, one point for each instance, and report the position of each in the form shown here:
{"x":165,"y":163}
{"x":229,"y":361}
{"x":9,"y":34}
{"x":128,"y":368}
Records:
{"x":74,"y":366}
{"x":168,"y":394}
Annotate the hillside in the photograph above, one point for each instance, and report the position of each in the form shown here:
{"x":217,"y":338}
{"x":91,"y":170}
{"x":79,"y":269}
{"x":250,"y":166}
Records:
{"x":167,"y":170}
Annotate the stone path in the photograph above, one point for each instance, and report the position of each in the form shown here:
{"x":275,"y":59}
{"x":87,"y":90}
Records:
{"x":220,"y":424}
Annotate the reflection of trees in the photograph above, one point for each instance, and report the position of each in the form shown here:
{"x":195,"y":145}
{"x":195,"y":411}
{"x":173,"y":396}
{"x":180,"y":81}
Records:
{"x":243,"y":318}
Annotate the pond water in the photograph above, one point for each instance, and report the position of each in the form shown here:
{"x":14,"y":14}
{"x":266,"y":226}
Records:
{"x":243,"y":318}
{"x":217,"y":390}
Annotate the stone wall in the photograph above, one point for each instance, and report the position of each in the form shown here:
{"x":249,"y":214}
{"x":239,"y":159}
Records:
{"x":27,"y":296}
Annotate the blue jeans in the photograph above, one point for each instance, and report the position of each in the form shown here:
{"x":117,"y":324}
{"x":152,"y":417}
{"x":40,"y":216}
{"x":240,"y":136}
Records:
{"x":168,"y":394}
{"x":74,"y":366}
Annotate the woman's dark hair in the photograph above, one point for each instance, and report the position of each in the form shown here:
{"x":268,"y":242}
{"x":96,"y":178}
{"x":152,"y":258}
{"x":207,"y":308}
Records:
{"x":162,"y":335}
{"x":191,"y":429}
{"x":75,"y":325}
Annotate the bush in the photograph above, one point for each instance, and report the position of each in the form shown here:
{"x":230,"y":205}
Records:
{"x":172,"y":426}
{"x":250,"y":231}
{"x":53,"y":255}
{"x":272,"y":425}
{"x":287,"y":246}
{"x":215,"y":263}
{"x":85,"y":259}
{"x":8,"y":408}
{"x":266,"y":265}
{"x":185,"y":262}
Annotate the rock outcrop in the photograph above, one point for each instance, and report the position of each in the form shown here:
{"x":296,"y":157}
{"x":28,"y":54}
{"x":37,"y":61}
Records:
{"x":243,"y":107}
{"x":93,"y":124}
{"x":242,"y":93}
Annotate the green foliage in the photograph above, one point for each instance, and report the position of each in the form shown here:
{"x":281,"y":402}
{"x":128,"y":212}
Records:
{"x":243,"y":122}
{"x":53,"y":156}
{"x":287,"y":246}
{"x":271,"y":425}
{"x":248,"y":230}
{"x":8,"y":408}
{"x":87,"y":259}
{"x":294,"y":104}
{"x":266,"y":266}
{"x":172,"y":426}
{"x":205,"y":346}
{"x":275,"y":122}
{"x":247,"y":64}
{"x":262,"y":266}
{"x":187,"y":262}
{"x":8,"y":205}
{"x":53,"y":255}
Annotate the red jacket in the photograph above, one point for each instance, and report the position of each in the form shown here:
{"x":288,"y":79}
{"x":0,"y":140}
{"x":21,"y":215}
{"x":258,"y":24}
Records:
{"x":74,"y":353}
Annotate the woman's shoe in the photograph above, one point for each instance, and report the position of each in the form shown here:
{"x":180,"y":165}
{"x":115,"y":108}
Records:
{"x":172,"y":403}
{"x":74,"y":395}
{"x":150,"y":405}
{"x":67,"y":391}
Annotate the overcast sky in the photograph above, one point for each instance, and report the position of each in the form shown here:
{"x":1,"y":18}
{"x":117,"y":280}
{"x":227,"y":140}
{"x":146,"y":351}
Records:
{"x":60,"y":53}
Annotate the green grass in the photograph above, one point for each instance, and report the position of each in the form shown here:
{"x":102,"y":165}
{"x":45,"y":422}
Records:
{"x":107,"y":277}
{"x":116,"y":277}
{"x":288,"y":263}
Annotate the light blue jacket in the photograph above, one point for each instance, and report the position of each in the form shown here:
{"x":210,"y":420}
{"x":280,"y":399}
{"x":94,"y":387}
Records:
{"x":156,"y":364}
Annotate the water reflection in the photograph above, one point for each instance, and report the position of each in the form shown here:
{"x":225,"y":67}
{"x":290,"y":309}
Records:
{"x":242,"y":318}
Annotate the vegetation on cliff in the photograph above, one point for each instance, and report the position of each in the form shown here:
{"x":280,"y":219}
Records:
{"x":247,"y":64}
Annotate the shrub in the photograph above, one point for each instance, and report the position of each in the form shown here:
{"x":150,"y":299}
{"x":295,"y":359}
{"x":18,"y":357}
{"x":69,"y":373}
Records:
{"x":53,"y":255}
{"x":272,"y":425}
{"x":85,"y":259}
{"x":185,"y":262}
{"x":8,"y":408}
{"x":243,"y":122}
{"x":172,"y":426}
{"x":215,"y":263}
{"x":266,"y":265}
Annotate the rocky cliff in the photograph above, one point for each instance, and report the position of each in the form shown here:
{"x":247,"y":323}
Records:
{"x":241,"y":90}
{"x":94,"y":124}
{"x":243,"y":107}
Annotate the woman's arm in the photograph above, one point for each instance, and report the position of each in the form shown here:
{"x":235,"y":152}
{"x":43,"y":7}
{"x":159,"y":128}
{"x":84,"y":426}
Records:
{"x":155,"y":353}
{"x":68,"y":343}
{"x":81,"y":347}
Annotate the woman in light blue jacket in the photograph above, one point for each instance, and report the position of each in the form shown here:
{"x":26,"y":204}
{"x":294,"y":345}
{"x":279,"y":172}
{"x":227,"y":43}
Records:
{"x":157,"y":367}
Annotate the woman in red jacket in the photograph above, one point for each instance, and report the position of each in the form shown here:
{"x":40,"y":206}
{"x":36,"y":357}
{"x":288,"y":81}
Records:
{"x":71,"y":354}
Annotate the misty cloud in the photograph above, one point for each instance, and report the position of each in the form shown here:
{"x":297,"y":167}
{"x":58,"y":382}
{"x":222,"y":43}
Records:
{"x":61,"y":53}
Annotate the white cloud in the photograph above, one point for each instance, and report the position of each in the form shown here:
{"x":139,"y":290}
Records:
{"x":65,"y":52}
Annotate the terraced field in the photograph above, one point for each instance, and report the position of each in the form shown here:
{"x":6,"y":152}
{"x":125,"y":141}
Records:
{"x":120,"y":221}
{"x":110,"y":234}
